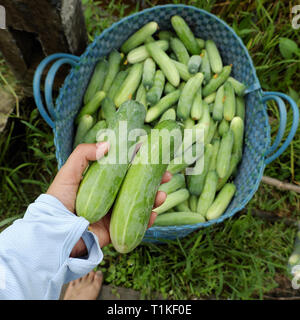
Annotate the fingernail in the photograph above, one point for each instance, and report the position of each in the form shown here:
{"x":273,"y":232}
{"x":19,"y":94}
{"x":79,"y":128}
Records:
{"x":101,"y":149}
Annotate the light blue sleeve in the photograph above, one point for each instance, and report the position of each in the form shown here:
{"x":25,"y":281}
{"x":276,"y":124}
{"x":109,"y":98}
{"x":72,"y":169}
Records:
{"x":35,"y":251}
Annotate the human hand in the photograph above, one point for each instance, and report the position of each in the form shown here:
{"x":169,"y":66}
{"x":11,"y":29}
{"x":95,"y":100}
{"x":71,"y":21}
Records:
{"x":66,"y":183}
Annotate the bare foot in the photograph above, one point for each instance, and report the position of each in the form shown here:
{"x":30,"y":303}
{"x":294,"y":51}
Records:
{"x":85,"y":288}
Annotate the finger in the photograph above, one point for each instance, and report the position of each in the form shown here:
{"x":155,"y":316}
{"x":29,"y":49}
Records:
{"x":160,"y":198}
{"x":152,"y":219}
{"x":166,"y":177}
{"x":79,"y":160}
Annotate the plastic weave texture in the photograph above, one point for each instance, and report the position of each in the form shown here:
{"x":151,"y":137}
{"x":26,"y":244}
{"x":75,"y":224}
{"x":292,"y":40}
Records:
{"x":205,"y":26}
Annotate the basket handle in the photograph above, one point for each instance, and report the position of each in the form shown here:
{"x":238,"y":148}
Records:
{"x":63,"y":58}
{"x":277,"y":96}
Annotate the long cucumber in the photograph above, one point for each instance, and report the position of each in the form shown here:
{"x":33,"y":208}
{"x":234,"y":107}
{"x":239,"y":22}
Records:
{"x":183,"y":70}
{"x":224,"y":154}
{"x":133,"y":206}
{"x":109,"y":111}
{"x":221,"y":202}
{"x":196,"y":181}
{"x":163,"y":104}
{"x":130,"y":85}
{"x":139,"y":36}
{"x":240,"y":107}
{"x":234,"y":160}
{"x":140,"y":54}
{"x":237,"y":127}
{"x":114,"y":61}
{"x":218,"y":105}
{"x":185,"y":34}
{"x":215,"y":59}
{"x":193,"y":201}
{"x":194,"y":64}
{"x":148,"y":73}
{"x":96,"y":81}
{"x":177,"y":181}
{"x":205,"y":66}
{"x":239,"y":88}
{"x":216,"y":82}
{"x":187,"y":96}
{"x":229,"y":102}
{"x":103,"y":179}
{"x":178,"y":219}
{"x":155,"y":93}
{"x":180,"y":50}
{"x":164,"y":62}
{"x":197,"y":107}
{"x":172,"y":200}
{"x":208,"y":193}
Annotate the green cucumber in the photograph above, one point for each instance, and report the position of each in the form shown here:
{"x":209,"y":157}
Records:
{"x":216,"y":81}
{"x":185,"y":34}
{"x":109,"y":111}
{"x":223,"y":127}
{"x":164,"y":62}
{"x":195,"y":182}
{"x":96,"y":81}
{"x":229,"y":102}
{"x":221,"y":202}
{"x":163,"y":104}
{"x":178,"y":219}
{"x":197,"y":108}
{"x":130,"y":85}
{"x":169,"y":88}
{"x":140,"y":54}
{"x":170,"y":114}
{"x":187,"y":96}
{"x":239,"y":88}
{"x":183,"y":70}
{"x":218,"y":105}
{"x":180,"y":50}
{"x":85,"y":124}
{"x":237,"y":127}
{"x":119,"y":79}
{"x":208,"y":193}
{"x":205,"y":67}
{"x":92,"y":106}
{"x":114,"y":61}
{"x":193,"y":200}
{"x":211,"y":132}
{"x":101,"y":183}
{"x":139,"y":36}
{"x":214,"y":57}
{"x":141,"y":95}
{"x":234,"y":160}
{"x":155,"y":93}
{"x":133,"y":206}
{"x":148,"y":73}
{"x":172,"y":200}
{"x":91,"y":136}
{"x":240,"y":107}
{"x":194,"y":64}
{"x":177,"y":182}
{"x":224,"y":154}
{"x":216,"y":146}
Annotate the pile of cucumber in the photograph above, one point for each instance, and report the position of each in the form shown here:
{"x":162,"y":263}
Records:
{"x":161,"y":79}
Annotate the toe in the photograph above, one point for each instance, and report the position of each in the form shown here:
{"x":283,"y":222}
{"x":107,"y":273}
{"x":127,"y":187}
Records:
{"x":90,"y":276}
{"x":98,"y":278}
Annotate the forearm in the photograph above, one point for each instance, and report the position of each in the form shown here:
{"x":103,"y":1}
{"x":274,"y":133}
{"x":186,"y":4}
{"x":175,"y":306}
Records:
{"x":47,"y":248}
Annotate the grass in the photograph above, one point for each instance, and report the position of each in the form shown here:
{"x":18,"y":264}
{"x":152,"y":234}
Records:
{"x":244,"y":257}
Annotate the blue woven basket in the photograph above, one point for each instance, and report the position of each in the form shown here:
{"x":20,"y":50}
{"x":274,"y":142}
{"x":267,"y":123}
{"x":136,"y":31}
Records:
{"x":206,"y":26}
